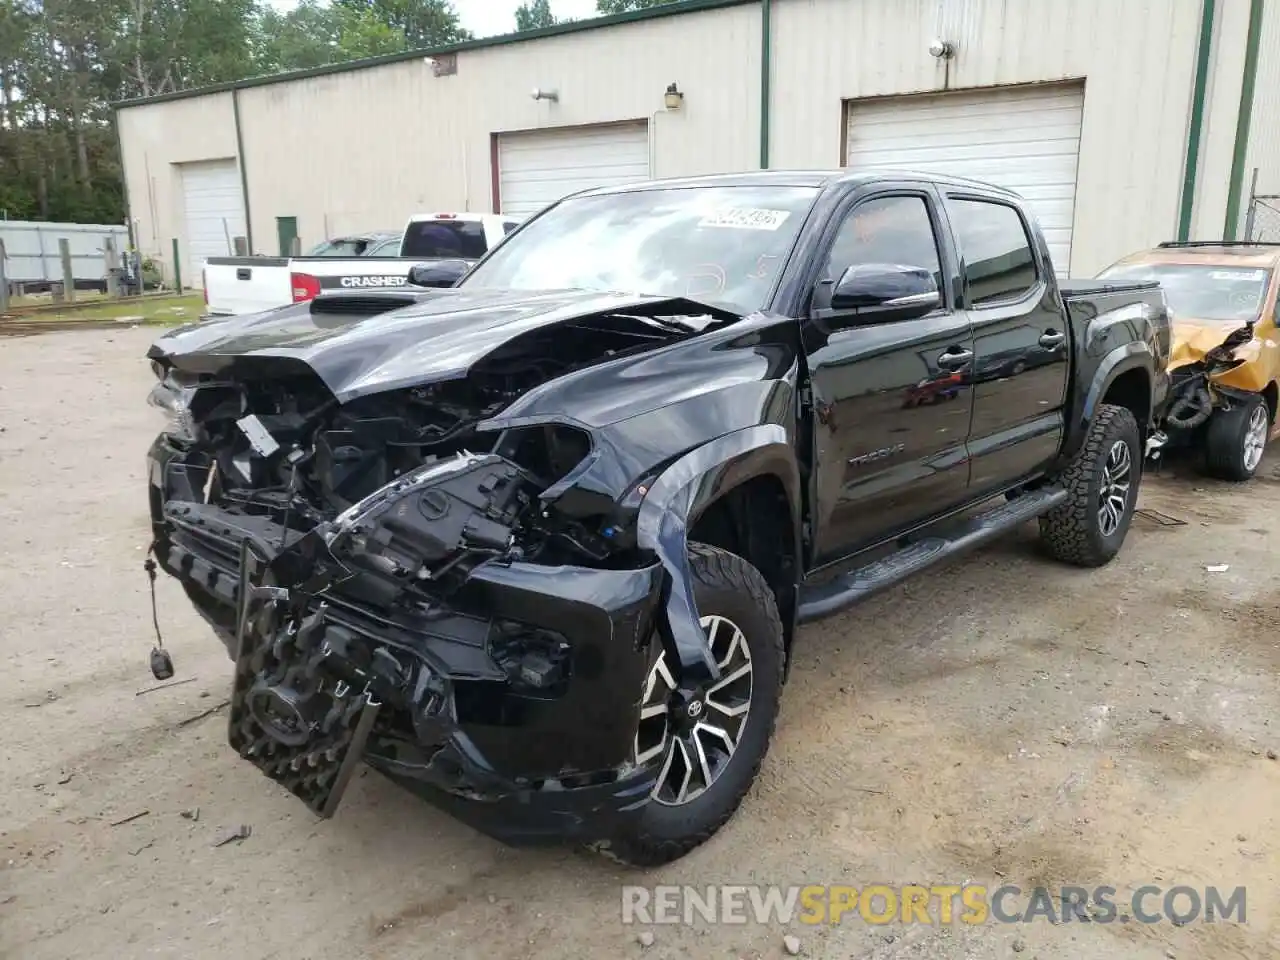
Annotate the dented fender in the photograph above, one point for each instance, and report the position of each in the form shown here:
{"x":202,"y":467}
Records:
{"x":674,"y":501}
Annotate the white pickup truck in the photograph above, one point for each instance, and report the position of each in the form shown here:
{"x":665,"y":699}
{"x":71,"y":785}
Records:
{"x":241,"y":285}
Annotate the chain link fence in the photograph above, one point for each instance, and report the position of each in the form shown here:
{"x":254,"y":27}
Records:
{"x":1262,"y":222}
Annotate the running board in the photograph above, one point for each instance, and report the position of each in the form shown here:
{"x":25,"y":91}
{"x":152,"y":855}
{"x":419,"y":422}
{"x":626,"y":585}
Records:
{"x":823,"y":600}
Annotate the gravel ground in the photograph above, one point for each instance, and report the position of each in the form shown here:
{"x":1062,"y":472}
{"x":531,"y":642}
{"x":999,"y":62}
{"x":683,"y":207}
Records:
{"x":1002,"y":720}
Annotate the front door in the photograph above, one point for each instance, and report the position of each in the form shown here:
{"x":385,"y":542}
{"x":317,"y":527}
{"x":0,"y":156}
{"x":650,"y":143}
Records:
{"x":892,"y":400}
{"x":1021,"y":343}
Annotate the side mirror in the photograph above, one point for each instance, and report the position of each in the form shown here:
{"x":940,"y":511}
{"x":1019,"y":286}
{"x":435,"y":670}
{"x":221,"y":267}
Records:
{"x":438,"y":273}
{"x":886,"y":292}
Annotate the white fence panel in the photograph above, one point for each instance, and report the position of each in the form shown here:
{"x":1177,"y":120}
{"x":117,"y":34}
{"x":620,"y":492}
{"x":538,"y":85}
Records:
{"x":32,"y":250}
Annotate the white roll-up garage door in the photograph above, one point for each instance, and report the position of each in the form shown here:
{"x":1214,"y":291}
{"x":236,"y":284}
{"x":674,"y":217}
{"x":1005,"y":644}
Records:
{"x":539,"y":167}
{"x":214,"y":211}
{"x":1025,"y":139}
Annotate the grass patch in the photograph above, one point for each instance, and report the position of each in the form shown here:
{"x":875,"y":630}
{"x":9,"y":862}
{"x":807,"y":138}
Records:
{"x":150,"y":310}
{"x":44,"y":299}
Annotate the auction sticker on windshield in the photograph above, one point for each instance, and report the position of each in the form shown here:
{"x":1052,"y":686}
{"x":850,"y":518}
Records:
{"x":746,"y":218}
{"x":1238,"y":274}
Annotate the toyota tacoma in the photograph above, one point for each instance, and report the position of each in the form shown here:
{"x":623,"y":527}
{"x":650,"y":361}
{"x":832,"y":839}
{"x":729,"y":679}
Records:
{"x":535,"y":545}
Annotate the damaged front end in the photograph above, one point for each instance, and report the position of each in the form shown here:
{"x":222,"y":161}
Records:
{"x":1201,"y":381}
{"x":401,"y":583}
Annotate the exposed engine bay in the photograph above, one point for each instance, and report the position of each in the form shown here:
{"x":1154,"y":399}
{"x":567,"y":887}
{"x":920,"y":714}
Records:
{"x":394,"y":584}
{"x":1192,"y":390}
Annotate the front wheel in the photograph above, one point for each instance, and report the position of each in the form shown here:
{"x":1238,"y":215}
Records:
{"x":1102,"y":492}
{"x":707,"y":748}
{"x":1236,"y":440}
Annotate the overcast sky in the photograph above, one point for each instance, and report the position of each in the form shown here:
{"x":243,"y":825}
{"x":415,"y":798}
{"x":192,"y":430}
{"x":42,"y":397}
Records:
{"x":487,"y":17}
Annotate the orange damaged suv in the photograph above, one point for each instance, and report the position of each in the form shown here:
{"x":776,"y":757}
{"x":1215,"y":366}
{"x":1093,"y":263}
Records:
{"x":1225,"y":363}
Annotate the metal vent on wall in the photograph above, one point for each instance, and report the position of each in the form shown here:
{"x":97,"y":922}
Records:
{"x":444,"y":65}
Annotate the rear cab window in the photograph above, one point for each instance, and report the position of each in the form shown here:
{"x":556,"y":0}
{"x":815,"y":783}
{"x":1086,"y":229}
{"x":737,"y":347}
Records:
{"x":999,"y":263}
{"x":444,"y":239}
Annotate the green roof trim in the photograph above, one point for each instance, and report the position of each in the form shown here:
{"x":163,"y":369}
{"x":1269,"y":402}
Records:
{"x":1191,"y":165}
{"x":672,"y":9}
{"x":1241,"y":150}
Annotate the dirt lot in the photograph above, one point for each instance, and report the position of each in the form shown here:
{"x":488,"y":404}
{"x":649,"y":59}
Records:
{"x":1004,"y":720}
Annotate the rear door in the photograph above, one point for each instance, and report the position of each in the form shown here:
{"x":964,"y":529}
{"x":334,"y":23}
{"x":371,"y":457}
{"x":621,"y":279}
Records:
{"x":893,"y":400}
{"x":1020,"y":338}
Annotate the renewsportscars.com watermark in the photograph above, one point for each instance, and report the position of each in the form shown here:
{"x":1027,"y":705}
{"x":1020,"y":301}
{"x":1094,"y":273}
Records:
{"x":937,"y":904}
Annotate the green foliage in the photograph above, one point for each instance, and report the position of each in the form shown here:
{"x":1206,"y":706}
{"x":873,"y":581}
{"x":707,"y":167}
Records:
{"x":424,"y":23}
{"x":534,"y":14}
{"x":64,"y":62}
{"x":622,"y":6}
{"x":312,"y":35}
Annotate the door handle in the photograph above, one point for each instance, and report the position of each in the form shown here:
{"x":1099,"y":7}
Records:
{"x":1052,"y":339}
{"x":244,"y":273}
{"x":954,"y":359}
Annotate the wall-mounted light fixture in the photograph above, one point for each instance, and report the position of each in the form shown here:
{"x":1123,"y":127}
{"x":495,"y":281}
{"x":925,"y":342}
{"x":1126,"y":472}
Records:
{"x":540,"y":94}
{"x":942,"y":49}
{"x":673,"y":98}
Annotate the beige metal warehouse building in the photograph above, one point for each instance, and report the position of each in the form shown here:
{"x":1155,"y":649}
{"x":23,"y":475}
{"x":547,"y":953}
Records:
{"x":1124,"y":122}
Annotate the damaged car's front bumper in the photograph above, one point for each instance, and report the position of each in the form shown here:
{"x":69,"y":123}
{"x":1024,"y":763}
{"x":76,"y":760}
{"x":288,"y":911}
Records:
{"x":511,"y":701}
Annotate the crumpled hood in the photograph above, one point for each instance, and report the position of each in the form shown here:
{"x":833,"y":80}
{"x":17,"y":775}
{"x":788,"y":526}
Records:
{"x":438,"y":338}
{"x":1192,"y":339}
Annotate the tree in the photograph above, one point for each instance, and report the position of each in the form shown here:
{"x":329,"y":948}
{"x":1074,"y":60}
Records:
{"x":534,"y":15}
{"x":622,"y":6}
{"x":424,"y":23}
{"x":162,"y":46}
{"x":64,"y":62}
{"x":312,"y":35}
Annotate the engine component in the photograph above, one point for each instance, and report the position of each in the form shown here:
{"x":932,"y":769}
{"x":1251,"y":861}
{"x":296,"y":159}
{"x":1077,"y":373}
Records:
{"x":437,"y":523}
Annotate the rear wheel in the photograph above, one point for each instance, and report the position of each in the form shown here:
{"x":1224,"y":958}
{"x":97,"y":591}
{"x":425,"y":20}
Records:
{"x":1102,"y":491}
{"x":1236,"y":439}
{"x":708,"y":748}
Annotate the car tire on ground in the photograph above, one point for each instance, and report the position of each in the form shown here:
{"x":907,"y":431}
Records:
{"x":1102,"y":491}
{"x":743,"y":627}
{"x":1235,"y":439}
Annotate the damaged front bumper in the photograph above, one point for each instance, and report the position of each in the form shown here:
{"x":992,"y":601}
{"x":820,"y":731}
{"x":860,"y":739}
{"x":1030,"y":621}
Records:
{"x":512,"y":703}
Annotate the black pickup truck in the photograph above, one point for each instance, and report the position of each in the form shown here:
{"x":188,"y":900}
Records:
{"x":536,"y":549}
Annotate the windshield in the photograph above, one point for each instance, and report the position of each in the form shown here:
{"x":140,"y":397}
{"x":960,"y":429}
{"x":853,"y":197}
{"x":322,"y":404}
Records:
{"x":1203,"y":291}
{"x":344,"y":247}
{"x":721,"y":245}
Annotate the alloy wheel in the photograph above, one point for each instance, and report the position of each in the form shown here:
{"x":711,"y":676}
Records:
{"x":696,"y":737}
{"x":1113,"y":492}
{"x":1255,"y":438}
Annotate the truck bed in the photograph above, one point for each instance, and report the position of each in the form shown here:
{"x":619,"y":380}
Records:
{"x":1087,"y":300}
{"x":235,"y":286}
{"x":1096,"y":288}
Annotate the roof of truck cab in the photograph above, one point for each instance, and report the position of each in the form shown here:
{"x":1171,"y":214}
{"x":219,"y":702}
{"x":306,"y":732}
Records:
{"x":447,"y":215}
{"x":793,"y":178}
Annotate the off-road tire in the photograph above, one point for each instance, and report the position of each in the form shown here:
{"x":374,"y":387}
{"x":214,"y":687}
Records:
{"x":1225,"y":438}
{"x":1072,"y":532}
{"x":724,"y":585}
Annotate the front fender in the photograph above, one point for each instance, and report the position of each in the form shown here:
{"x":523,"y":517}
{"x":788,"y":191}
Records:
{"x":677,"y":497}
